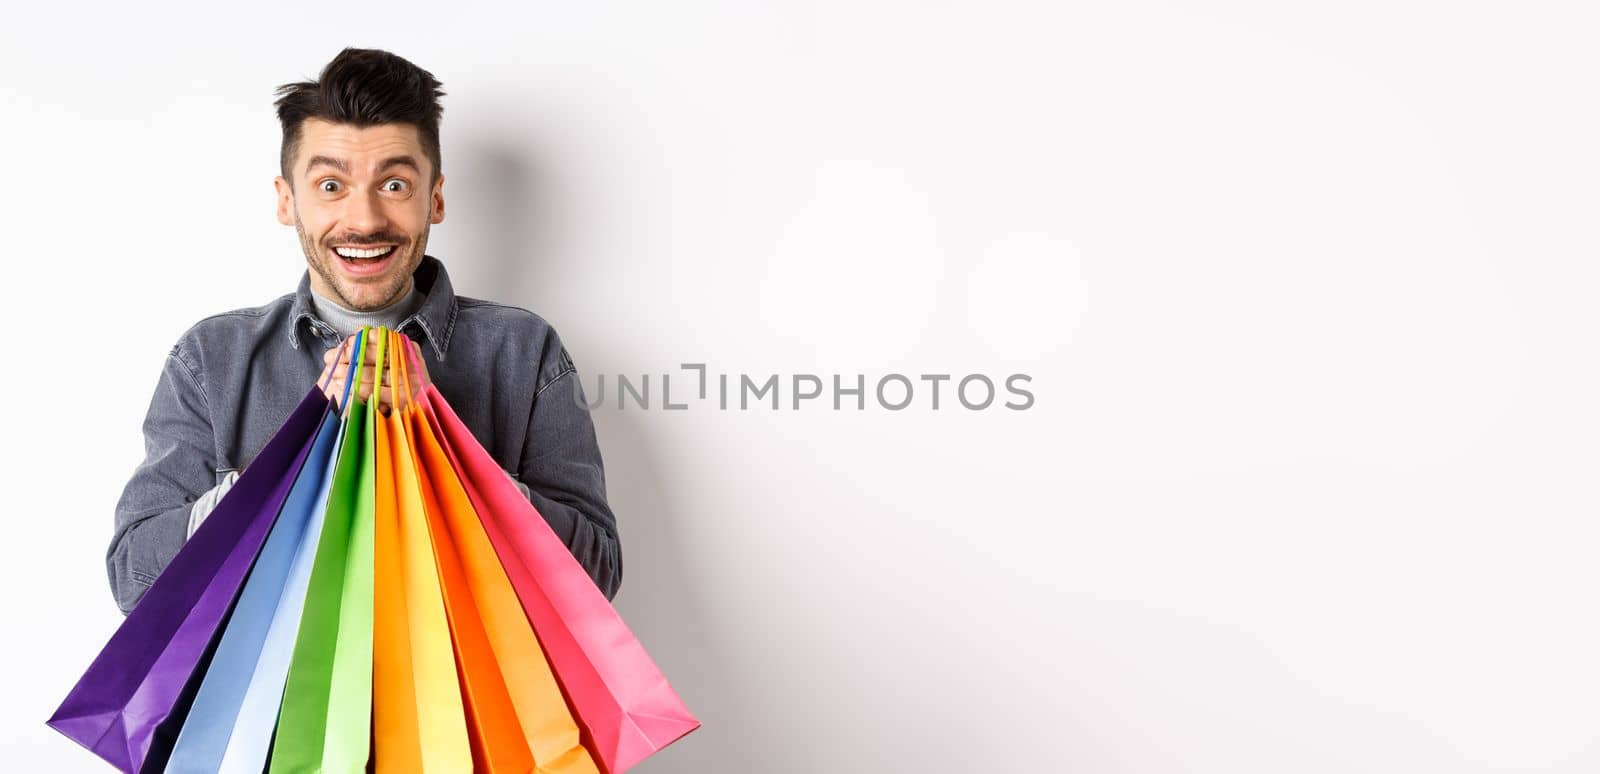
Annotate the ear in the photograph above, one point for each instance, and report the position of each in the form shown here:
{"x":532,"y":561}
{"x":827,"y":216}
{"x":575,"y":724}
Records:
{"x":285,"y":201}
{"x":436,"y":213}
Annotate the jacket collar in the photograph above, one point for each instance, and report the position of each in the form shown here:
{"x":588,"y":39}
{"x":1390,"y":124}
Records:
{"x":436,"y":317}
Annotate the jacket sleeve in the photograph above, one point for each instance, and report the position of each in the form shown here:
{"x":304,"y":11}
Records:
{"x":565,"y":478}
{"x":152,"y":516}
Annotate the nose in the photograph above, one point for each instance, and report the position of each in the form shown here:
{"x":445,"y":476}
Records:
{"x":364,"y":213}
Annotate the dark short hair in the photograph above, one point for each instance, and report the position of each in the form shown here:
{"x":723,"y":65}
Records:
{"x":363,"y":87}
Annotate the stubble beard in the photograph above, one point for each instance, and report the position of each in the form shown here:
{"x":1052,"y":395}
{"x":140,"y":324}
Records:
{"x":317,"y":259}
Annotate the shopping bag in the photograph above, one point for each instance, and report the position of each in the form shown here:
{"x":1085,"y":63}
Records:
{"x":625,"y":707}
{"x":325,"y":718}
{"x":419,"y":723}
{"x":210,"y":722}
{"x":514,"y":705}
{"x":248,"y":745}
{"x":131,"y":697}
{"x":229,"y":726}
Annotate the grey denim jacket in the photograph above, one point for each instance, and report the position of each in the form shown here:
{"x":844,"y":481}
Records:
{"x":233,"y":378}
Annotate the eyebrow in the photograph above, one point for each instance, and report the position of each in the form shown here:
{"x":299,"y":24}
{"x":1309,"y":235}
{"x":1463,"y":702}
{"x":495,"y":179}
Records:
{"x":344,"y":166}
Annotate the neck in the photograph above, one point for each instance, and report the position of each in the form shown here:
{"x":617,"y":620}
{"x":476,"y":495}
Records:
{"x":348,"y":321}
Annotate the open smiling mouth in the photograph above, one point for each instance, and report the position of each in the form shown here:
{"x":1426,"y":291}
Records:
{"x":365,"y":260}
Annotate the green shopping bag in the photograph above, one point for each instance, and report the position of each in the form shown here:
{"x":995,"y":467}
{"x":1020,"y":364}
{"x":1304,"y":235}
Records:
{"x":325,"y":722}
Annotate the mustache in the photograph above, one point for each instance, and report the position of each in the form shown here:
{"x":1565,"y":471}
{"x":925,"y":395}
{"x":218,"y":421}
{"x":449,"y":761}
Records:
{"x":375,"y":239}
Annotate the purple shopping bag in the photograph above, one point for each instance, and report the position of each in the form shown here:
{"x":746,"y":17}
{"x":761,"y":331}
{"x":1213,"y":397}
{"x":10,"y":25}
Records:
{"x":144,"y":672}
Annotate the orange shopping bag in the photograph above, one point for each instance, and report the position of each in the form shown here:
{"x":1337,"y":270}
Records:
{"x":517,"y":718}
{"x":419,"y":722}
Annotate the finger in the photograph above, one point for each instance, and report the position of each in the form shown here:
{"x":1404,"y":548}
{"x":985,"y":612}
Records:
{"x":369,"y":359}
{"x":365,"y":368}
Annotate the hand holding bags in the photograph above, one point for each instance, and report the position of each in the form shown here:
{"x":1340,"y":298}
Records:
{"x":374,"y":593}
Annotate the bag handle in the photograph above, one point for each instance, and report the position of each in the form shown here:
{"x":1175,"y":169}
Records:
{"x":398,"y":361}
{"x":322,"y":385}
{"x":413,"y":361}
{"x":357,"y":353}
{"x":381,"y":335}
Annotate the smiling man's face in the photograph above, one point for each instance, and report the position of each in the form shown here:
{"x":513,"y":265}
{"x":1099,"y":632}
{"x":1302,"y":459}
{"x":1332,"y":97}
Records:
{"x":357,"y":192}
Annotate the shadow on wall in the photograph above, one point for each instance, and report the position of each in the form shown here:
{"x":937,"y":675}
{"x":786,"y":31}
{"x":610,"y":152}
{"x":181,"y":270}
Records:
{"x":503,"y":220}
{"x":509,"y":229}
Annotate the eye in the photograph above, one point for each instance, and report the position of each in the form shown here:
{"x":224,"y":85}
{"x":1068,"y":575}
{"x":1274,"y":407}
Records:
{"x":396,"y":185}
{"x":328,"y":186}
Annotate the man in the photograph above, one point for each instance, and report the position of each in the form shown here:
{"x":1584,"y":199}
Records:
{"x":361,"y":183}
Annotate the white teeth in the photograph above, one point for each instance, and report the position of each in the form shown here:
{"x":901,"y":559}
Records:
{"x":351,"y":252}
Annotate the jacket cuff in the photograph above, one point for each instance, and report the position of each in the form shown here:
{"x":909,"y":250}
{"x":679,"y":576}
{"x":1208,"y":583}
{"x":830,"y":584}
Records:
{"x":207,"y":502}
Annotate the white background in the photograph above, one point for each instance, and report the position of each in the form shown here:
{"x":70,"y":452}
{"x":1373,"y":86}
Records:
{"x":1307,"y":292}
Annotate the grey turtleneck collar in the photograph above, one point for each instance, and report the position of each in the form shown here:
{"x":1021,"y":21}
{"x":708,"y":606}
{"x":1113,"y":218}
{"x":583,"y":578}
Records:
{"x":348,"y":321}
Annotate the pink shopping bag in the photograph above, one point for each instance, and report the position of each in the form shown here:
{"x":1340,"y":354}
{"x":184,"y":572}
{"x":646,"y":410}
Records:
{"x":626,"y":709}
